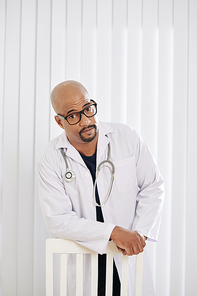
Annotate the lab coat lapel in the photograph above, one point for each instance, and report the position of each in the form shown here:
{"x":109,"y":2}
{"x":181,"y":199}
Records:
{"x":70,"y":150}
{"x":103,"y":140}
{"x":74,"y":154}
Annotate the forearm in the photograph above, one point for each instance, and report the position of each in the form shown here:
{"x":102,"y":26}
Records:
{"x":92,"y":234}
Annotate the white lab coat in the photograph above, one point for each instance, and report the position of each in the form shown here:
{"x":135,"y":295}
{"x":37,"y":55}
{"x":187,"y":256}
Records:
{"x":135,"y":202}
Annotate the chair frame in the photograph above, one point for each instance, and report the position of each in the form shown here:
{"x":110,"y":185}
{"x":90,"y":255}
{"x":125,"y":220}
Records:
{"x":65,"y":247}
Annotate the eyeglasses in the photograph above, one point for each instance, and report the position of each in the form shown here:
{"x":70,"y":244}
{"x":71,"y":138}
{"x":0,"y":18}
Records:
{"x":75,"y":117}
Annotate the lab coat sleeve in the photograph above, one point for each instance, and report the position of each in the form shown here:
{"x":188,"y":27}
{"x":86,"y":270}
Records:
{"x":151,"y":192}
{"x":61,"y":221}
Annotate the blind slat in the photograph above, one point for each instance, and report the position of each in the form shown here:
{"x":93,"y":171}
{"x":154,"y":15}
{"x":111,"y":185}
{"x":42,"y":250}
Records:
{"x":119,"y":62}
{"x":179,"y":163}
{"x":74,"y":39}
{"x":104,"y":48}
{"x":10,"y":148}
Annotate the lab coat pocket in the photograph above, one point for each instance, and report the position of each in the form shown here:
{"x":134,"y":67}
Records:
{"x":125,"y":174}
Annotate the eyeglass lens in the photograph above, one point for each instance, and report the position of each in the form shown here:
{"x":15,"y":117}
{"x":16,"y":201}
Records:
{"x":76,"y":116}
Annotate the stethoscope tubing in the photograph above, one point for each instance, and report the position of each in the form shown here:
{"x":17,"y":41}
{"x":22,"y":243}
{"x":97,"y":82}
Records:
{"x":70,"y":175}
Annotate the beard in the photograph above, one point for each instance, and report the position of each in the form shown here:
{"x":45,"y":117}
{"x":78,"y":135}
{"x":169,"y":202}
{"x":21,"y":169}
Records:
{"x":90,"y":138}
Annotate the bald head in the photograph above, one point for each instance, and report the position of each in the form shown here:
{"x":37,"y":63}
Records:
{"x":64,"y":91}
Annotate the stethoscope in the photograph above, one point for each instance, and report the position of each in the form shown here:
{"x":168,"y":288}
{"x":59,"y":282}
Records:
{"x":70,"y":175}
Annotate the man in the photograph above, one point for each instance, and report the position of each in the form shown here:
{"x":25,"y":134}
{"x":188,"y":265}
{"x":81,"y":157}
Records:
{"x":91,"y":210}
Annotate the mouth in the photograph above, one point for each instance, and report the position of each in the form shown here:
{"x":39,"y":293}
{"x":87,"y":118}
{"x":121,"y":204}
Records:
{"x":88,"y":130}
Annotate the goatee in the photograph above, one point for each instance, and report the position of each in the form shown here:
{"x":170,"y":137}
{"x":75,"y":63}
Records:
{"x":91,"y":138}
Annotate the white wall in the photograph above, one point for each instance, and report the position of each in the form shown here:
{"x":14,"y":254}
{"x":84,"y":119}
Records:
{"x":138,"y":60}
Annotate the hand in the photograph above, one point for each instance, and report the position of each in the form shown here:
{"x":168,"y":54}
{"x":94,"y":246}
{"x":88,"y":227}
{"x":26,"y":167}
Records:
{"x":129,"y":242}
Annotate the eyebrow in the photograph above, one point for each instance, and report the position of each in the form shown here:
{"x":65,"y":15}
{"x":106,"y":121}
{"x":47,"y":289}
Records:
{"x":70,"y":111}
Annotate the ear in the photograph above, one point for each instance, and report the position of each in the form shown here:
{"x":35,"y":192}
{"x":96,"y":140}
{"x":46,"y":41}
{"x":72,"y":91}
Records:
{"x":59,"y":121}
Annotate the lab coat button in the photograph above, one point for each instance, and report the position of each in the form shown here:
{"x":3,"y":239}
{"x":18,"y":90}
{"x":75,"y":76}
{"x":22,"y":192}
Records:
{"x":91,"y":199}
{"x":87,"y":174}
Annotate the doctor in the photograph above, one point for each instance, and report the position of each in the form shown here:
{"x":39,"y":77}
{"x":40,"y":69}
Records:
{"x":123,"y":202}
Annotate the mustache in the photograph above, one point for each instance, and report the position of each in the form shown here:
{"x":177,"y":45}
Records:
{"x":87,"y":127}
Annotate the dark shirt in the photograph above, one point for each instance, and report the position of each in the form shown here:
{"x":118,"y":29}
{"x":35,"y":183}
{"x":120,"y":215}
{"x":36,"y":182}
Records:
{"x":90,"y":162}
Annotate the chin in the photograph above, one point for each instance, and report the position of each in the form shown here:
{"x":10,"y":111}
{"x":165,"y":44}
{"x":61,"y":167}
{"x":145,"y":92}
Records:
{"x":89,"y":138}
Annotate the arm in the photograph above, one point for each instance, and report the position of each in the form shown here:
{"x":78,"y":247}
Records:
{"x":149,"y":202}
{"x":60,"y":218}
{"x":150,"y":195}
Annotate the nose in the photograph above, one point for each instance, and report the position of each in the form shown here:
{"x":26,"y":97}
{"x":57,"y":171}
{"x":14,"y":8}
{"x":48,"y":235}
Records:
{"x":84,"y":120}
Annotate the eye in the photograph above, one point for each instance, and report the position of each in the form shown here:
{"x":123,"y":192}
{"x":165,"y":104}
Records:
{"x":72,"y":116}
{"x":89,"y":109}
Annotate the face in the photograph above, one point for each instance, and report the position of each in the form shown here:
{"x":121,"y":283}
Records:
{"x":85,"y":131}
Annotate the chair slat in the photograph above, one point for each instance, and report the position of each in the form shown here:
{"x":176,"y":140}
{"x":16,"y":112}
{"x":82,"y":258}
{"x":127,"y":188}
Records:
{"x":109,"y":274}
{"x":49,"y":269}
{"x":79,"y":274}
{"x":124,"y":275}
{"x":139,"y":275}
{"x":63,"y":275}
{"x":94,"y":274}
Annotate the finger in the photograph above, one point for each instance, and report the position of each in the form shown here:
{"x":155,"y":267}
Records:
{"x":120,"y":249}
{"x":137,"y":249}
{"x":141,"y":240}
{"x":124,"y":252}
{"x":139,"y":245}
{"x":129,"y":251}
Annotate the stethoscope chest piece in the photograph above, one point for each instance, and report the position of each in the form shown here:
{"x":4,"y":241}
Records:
{"x":69,"y":176}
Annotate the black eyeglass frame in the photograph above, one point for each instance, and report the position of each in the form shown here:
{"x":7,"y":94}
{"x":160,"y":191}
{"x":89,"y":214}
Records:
{"x":79,"y":112}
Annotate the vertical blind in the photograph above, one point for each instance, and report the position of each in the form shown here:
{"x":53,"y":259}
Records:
{"x":137,"y":58}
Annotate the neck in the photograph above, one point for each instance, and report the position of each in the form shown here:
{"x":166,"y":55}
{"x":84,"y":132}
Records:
{"x":87,"y":152}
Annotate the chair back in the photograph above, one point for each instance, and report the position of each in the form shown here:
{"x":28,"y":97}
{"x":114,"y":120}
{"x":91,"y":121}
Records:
{"x":65,"y":247}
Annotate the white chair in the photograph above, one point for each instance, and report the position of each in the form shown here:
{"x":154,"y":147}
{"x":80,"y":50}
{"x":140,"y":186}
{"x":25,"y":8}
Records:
{"x":64,"y":247}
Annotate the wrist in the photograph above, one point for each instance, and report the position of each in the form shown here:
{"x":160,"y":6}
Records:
{"x":113,"y":233}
